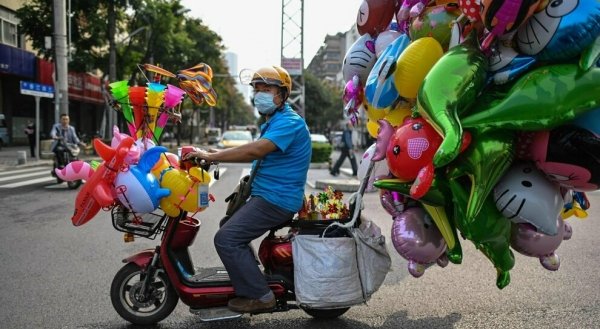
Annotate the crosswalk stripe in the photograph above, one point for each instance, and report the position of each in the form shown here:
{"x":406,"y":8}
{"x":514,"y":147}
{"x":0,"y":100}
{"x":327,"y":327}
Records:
{"x":29,"y":182}
{"x":20,"y":171}
{"x":24,"y":173}
{"x":4,"y":179}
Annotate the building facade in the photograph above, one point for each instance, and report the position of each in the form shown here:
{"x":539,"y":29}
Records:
{"x":19,"y":63}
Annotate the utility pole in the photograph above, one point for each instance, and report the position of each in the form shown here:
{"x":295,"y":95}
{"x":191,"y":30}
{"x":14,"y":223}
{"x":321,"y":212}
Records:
{"x":292,"y":49}
{"x":60,"y":61}
{"x":112,"y":64}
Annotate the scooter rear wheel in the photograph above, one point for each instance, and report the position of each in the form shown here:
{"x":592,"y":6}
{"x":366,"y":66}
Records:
{"x":132,"y":305}
{"x":325,"y":314}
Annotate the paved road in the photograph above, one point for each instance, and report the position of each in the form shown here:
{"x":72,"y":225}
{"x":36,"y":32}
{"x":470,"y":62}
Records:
{"x":55,"y":275}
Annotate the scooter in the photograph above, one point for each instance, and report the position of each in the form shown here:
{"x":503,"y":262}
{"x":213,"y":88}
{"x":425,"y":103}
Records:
{"x":70,"y":153}
{"x":147,"y":288}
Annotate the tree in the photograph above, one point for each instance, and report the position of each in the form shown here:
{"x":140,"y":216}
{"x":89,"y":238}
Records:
{"x":323,"y":103}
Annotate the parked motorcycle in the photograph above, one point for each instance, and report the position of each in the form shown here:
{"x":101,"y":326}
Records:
{"x":69,"y":153}
{"x":148,"y":287}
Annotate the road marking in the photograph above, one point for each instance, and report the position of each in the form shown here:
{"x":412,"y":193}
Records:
{"x":20,"y":171}
{"x":50,"y":179}
{"x":29,"y":182}
{"x":4,"y":179}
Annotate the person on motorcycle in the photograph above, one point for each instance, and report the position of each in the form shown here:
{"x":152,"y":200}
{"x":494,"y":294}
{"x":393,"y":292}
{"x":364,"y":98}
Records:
{"x":277,"y":190}
{"x":65,"y":132}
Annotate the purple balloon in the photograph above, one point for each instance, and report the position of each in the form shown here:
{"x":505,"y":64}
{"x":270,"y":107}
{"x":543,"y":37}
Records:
{"x":393,"y":202}
{"x":529,"y":242}
{"x":417,"y":239}
{"x":386,"y":130}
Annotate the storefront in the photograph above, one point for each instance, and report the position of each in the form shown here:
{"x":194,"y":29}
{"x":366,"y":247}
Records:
{"x":86,"y":104}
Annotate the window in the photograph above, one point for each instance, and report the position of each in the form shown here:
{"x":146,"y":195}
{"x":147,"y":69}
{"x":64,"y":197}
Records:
{"x":8,"y":27}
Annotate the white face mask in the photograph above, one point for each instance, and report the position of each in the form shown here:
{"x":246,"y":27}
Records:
{"x":263,"y":101}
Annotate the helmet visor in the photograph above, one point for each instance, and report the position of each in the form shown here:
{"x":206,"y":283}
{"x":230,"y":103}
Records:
{"x":250,"y":77}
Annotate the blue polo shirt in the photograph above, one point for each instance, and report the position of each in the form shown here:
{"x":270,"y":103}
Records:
{"x":281,"y":177}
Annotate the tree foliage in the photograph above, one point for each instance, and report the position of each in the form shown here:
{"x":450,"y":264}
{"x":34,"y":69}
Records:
{"x":323,"y":104}
{"x":147,"y":31}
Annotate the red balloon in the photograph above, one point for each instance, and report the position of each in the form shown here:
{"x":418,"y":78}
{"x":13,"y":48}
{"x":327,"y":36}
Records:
{"x":411,"y":148}
{"x":374,"y":16}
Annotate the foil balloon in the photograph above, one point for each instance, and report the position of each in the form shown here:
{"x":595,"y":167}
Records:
{"x":411,"y":148}
{"x":374,"y":16}
{"x":451,"y":85}
{"x":503,"y":16}
{"x":543,"y":98}
{"x":506,"y":64}
{"x":384,"y":39}
{"x":568,"y":155}
{"x":409,"y":9}
{"x":398,"y":115}
{"x":489,"y":231}
{"x":137,"y":189}
{"x":394,"y":202}
{"x":375,"y":114}
{"x":372,"y":128}
{"x":384,"y":134}
{"x":359,"y":59}
{"x":525,"y":195}
{"x":353,"y":97}
{"x":470,"y":9}
{"x":435,"y":22}
{"x":527,"y":241}
{"x":561,"y":31}
{"x":97,"y":192}
{"x":417,"y":239}
{"x":379,"y":88}
{"x":484,"y":162}
{"x":413,"y":65}
{"x":434,"y":202}
{"x":380,"y":168}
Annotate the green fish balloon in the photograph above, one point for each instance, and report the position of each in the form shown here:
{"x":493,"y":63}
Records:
{"x":543,"y":98}
{"x":449,"y":88}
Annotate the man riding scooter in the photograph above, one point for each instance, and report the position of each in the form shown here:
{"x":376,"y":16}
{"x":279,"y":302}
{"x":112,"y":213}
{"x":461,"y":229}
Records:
{"x":66,"y":133}
{"x":277,"y":190}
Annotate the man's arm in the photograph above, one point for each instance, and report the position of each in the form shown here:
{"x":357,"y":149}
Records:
{"x":53,"y":132}
{"x":243,"y":153}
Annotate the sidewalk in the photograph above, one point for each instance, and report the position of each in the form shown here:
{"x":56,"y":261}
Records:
{"x":318,"y":175}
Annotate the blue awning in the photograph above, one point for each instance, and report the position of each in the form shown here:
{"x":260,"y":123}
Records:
{"x":17,"y":61}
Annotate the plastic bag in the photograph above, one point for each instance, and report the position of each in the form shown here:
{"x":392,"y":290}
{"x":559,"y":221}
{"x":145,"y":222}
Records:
{"x":374,"y":261}
{"x":326,"y":272}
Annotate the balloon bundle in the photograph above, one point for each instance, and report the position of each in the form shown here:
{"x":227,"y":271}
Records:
{"x":148,"y":109}
{"x":136,"y":174}
{"x":487,"y":119}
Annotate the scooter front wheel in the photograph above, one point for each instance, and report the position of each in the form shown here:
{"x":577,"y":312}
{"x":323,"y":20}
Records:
{"x":142,"y":307}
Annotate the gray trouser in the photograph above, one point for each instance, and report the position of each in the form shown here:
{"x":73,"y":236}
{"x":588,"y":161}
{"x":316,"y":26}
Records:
{"x":232,"y":241}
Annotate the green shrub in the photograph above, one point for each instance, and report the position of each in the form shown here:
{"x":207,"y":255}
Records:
{"x":321,"y":152}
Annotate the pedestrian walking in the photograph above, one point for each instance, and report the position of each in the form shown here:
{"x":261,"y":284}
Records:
{"x":347,"y":151}
{"x":30,"y":132}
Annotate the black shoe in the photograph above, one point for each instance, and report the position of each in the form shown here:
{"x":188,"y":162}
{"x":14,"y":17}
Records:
{"x":334,"y":173}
